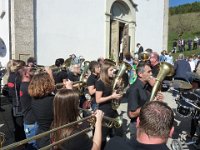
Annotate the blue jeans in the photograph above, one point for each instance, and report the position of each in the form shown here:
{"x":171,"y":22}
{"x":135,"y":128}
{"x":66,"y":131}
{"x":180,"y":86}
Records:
{"x":94,"y":105}
{"x":30,"y":131}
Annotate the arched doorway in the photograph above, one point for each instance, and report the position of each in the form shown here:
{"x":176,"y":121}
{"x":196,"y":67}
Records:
{"x":120,"y":28}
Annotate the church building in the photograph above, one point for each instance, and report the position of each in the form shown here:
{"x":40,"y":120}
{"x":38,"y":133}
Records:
{"x":50,"y":29}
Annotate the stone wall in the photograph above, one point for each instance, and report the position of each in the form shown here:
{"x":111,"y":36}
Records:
{"x":22,"y":29}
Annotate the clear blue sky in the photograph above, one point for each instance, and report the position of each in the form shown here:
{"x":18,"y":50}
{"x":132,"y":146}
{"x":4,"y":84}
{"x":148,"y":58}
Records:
{"x":180,"y":2}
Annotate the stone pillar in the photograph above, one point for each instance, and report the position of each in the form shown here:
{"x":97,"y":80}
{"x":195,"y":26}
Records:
{"x":132,"y":36}
{"x":165,"y":24}
{"x":107,"y":34}
{"x":22,"y":29}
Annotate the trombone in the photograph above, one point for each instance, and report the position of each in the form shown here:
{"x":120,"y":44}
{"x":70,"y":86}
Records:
{"x":82,"y":81}
{"x":79,"y":83}
{"x":91,"y":119}
{"x":107,"y":121}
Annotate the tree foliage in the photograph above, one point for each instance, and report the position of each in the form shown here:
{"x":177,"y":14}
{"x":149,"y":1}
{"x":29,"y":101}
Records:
{"x":186,"y":8}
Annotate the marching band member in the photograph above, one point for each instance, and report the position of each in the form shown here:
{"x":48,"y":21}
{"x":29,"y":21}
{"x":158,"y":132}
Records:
{"x":104,"y":95}
{"x":30,"y":125}
{"x":66,"y":110}
{"x":95,"y":71}
{"x":14,"y":82}
{"x":40,"y":89}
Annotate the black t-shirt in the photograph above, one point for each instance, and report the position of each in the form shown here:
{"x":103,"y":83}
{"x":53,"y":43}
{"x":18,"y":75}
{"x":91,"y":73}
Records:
{"x":26,"y":100}
{"x":73,"y":77}
{"x":43,"y":111}
{"x":137,"y":95}
{"x":91,"y":82}
{"x":155,"y":70}
{"x":139,"y":146}
{"x":106,"y":106}
{"x":118,"y":143}
{"x":81,"y":141}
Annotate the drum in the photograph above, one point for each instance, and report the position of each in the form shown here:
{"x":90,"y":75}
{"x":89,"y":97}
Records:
{"x":184,"y":108}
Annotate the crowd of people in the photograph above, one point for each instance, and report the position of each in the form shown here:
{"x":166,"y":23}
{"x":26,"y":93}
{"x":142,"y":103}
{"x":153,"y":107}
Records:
{"x":181,"y":44}
{"x":39,"y":106}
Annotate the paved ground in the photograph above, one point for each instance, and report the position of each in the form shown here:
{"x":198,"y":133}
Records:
{"x":182,"y":125}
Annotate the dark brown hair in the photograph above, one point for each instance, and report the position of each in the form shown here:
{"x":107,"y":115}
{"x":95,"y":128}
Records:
{"x":93,"y":65}
{"x":66,"y":103}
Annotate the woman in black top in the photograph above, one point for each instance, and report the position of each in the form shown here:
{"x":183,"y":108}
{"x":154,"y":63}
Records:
{"x":104,"y":96}
{"x":14,"y":82}
{"x":30,"y":125}
{"x":40,"y":89}
{"x":66,"y":110}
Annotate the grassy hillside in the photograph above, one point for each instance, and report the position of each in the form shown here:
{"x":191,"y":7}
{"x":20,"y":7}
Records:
{"x":184,"y":23}
{"x":185,"y":26}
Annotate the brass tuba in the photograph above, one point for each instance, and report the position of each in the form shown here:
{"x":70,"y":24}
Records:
{"x":166,"y":69}
{"x":144,"y":56}
{"x":118,"y":83}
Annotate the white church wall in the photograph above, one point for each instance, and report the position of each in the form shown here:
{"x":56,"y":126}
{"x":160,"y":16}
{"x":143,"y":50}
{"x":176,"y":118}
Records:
{"x":149,"y":24}
{"x":4,"y":29}
{"x":66,"y":27}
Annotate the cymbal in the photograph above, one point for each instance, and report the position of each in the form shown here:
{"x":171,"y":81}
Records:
{"x":181,"y":84}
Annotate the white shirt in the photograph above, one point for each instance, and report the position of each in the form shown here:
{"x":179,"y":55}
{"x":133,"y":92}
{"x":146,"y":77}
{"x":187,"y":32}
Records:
{"x":169,"y":59}
{"x":192,"y":65}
